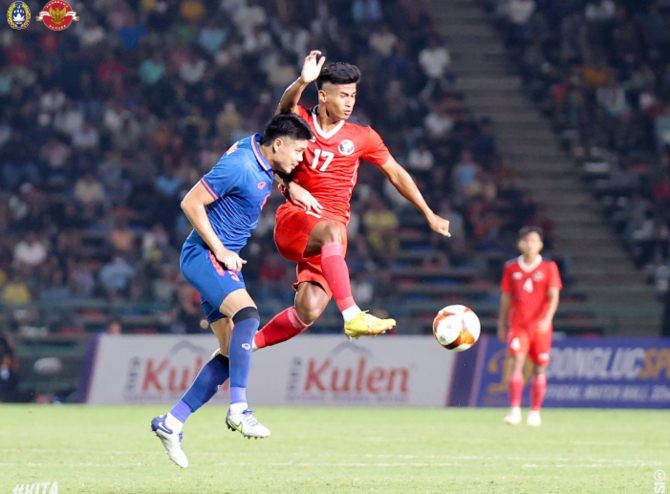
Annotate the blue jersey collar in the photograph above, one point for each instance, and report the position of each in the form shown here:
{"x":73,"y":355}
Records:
{"x":255,"y":140}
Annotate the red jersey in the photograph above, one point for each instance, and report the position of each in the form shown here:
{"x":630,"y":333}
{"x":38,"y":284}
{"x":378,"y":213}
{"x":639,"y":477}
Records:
{"x":329,"y":169}
{"x":529,"y":287}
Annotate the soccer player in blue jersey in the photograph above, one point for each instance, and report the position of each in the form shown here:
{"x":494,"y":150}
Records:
{"x":223,"y":208}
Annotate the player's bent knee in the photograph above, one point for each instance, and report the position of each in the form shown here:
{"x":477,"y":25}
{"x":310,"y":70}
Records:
{"x":309,"y":314}
{"x":250,"y":312}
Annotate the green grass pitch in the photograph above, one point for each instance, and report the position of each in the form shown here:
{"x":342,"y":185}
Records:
{"x":336,"y":450}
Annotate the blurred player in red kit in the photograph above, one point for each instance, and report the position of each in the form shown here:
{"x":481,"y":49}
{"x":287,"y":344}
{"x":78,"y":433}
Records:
{"x":530,"y":293}
{"x":316,"y":238}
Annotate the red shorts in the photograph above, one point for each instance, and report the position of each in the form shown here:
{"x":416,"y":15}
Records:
{"x":293,"y":227}
{"x":534,"y":344}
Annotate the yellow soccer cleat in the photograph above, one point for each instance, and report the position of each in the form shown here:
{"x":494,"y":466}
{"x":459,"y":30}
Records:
{"x":365,"y":324}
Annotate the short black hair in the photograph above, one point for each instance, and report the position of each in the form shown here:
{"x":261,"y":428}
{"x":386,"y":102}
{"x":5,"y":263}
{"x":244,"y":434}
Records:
{"x":527,"y":230}
{"x":338,"y":73}
{"x":286,"y":125}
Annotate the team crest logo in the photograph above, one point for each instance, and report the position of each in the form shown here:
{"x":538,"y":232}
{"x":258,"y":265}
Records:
{"x":539,"y":276}
{"x":18,"y":15}
{"x":346,"y":147}
{"x":57,"y":15}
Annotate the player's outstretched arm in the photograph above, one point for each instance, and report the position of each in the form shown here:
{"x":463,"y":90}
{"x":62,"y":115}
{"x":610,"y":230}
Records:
{"x":193,"y":205}
{"x":402,"y":181}
{"x":310,"y":72}
{"x":503,"y":314}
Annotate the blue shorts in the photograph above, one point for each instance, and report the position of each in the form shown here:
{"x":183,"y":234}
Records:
{"x":209,"y":277}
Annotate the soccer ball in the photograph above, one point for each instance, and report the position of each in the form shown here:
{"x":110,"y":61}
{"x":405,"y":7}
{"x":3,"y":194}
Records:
{"x":456,"y":328}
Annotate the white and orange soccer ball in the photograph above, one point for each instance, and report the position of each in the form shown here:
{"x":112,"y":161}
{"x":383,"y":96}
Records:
{"x":456,"y":328}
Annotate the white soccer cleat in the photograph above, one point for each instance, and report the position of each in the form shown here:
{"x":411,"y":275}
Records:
{"x":246,"y":424}
{"x":534,"y":419}
{"x":514,"y":416}
{"x":171,"y":441}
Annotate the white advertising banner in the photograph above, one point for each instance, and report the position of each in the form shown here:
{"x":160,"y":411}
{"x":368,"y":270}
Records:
{"x":308,"y":370}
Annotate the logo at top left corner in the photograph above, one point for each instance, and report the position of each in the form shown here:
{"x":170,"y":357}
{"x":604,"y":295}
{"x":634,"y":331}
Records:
{"x":18,"y":15}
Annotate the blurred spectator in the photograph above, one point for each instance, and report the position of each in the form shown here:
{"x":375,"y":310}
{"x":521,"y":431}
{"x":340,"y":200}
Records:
{"x":30,"y":252}
{"x":420,"y":160}
{"x":366,"y":11}
{"x":89,"y":190}
{"x":114,"y":326}
{"x":435,"y":61}
{"x":16,"y":290}
{"x":115,"y":277}
{"x":381,"y":225}
{"x":189,"y":318}
{"x":122,"y":238}
{"x":361,"y":288}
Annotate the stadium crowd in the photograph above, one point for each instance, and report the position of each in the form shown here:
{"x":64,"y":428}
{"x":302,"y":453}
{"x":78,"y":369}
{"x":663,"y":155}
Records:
{"x":600,"y":70}
{"x":106,"y":126}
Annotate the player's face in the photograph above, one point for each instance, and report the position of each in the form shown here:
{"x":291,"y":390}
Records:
{"x":531,"y":244}
{"x":287,"y":153}
{"x":339,"y":99}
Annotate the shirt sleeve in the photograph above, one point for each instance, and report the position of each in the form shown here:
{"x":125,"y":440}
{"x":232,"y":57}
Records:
{"x":376,"y":151}
{"x":302,"y":113}
{"x":506,"y":282}
{"x":554,"y":276}
{"x":224,"y":177}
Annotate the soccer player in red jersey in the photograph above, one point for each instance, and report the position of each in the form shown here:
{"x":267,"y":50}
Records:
{"x":530,"y":292}
{"x":316,"y":238}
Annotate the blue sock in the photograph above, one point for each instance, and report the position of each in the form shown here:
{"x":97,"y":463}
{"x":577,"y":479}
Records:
{"x":206,"y":384}
{"x":246,"y":322}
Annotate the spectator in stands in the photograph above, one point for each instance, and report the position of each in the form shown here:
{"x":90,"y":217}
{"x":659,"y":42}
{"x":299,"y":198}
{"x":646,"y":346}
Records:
{"x":381,"y":225}
{"x":435,"y":61}
{"x":89,"y":192}
{"x":115,"y":277}
{"x":114,"y":326}
{"x":188,"y":318}
{"x":80,"y":279}
{"x":16,"y":291}
{"x":421,"y":161}
{"x":439,"y":123}
{"x":366,"y":11}
{"x":29,"y":253}
{"x":465,"y":173}
{"x":122,"y":238}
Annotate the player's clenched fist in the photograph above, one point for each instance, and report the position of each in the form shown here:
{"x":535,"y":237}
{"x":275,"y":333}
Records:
{"x":230,"y":260}
{"x":440,"y":225}
{"x":312,"y":66}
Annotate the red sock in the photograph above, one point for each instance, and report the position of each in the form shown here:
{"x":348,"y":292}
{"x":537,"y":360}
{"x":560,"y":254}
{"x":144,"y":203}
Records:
{"x":538,"y":387}
{"x":282,"y":327}
{"x":336,"y":272}
{"x":515,"y":389}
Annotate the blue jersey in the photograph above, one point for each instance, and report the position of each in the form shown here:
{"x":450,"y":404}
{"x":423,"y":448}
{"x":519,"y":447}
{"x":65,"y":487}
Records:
{"x":240,"y":184}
